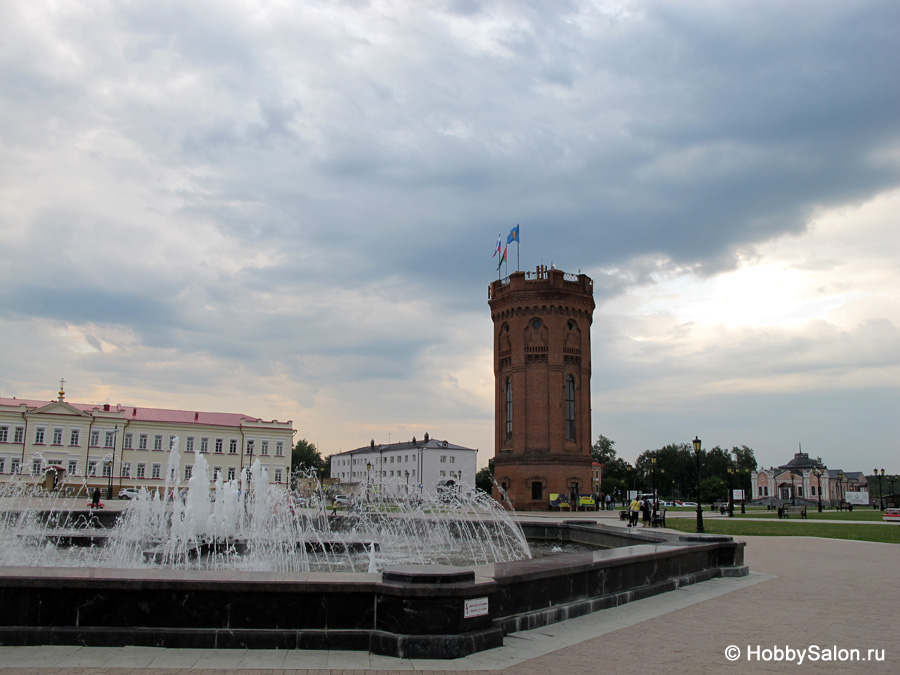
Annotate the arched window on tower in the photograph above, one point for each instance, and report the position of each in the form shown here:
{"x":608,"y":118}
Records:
{"x":570,"y":408}
{"x":509,"y":409}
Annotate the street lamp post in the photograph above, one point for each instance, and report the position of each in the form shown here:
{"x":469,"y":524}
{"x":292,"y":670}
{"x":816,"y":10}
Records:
{"x":697,"y":445}
{"x":817,"y":472}
{"x":890,"y":480}
{"x":730,"y":494}
{"x":368,"y":480}
{"x":880,"y":486}
{"x":407,"y":483}
{"x":793,"y":497}
{"x":655,"y":493}
{"x":112,"y":463}
{"x":840,"y":478}
{"x":744,"y":472}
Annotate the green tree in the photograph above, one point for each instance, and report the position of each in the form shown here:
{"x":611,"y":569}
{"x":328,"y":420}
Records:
{"x":484,"y":479}
{"x":617,"y":473}
{"x":713,"y":489}
{"x":603,"y":451}
{"x":743,"y":458}
{"x":716,"y":462}
{"x":305,"y":456}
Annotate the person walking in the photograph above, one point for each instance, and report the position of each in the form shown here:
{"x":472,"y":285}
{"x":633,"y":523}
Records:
{"x":633,"y":510}
{"x":645,"y":511}
{"x":95,"y":499}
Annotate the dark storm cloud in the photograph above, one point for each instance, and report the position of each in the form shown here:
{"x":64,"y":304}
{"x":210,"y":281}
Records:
{"x":313,"y":191}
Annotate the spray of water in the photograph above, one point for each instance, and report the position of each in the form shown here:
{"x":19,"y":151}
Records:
{"x":206,"y":522}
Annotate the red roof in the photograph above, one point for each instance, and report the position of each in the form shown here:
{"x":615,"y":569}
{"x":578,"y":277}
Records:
{"x":147,"y":414}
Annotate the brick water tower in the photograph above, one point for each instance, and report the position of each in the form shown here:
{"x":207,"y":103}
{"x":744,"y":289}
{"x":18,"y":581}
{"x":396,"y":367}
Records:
{"x":542,"y":391}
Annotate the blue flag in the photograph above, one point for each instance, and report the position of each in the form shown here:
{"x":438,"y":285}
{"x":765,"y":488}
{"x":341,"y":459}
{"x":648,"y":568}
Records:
{"x":513,"y":235}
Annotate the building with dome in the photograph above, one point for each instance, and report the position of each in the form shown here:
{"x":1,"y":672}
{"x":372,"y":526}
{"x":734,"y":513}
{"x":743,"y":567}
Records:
{"x":807,"y":481}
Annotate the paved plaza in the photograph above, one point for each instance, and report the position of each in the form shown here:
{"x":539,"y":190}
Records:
{"x":805,"y":597}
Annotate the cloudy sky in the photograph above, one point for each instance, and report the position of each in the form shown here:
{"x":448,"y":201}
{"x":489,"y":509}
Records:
{"x":288,"y":209}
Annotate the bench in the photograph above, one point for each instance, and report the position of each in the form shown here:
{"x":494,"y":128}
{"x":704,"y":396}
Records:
{"x":787,"y":509}
{"x":659,"y":518}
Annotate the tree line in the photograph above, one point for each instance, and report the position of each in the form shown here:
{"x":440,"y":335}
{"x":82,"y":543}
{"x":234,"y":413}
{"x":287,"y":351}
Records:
{"x":674,"y":473}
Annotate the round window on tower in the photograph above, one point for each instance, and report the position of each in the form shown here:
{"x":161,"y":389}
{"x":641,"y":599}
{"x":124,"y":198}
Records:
{"x":536,"y":324}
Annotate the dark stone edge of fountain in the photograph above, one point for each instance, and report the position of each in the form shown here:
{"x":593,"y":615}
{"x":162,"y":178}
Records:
{"x":455,"y":612}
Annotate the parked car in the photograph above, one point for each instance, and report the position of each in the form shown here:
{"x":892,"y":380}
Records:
{"x":129,"y":493}
{"x":692,"y":505}
{"x":343,"y":500}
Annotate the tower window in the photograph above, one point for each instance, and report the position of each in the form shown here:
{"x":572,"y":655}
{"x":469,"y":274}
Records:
{"x":570,"y":408}
{"x":536,"y":324}
{"x":509,"y":409}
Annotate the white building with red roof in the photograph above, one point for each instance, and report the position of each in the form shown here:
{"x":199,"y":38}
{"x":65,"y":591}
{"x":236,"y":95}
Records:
{"x":77,"y":446}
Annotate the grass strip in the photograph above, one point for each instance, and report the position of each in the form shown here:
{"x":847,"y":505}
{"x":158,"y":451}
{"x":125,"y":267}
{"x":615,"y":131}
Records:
{"x":761,"y":528}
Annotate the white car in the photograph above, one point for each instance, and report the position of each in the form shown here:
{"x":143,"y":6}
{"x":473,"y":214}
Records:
{"x":129,"y":493}
{"x":692,"y":505}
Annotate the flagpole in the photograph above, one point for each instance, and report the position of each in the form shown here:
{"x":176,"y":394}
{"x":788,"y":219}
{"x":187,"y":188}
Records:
{"x":517,"y":249}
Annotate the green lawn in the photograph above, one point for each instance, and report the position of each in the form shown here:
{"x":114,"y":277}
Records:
{"x":859,"y":515}
{"x":762,"y":528}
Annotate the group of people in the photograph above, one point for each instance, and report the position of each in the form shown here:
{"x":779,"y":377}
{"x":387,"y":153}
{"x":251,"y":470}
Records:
{"x":640,"y":507}
{"x":605,"y":502}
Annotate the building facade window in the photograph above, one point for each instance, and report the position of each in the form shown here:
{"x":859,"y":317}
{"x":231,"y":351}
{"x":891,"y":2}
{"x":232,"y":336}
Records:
{"x":39,"y":436}
{"x":142,"y":442}
{"x":92,"y":469}
{"x":35,"y":467}
{"x":204,"y":445}
{"x":2,"y":464}
{"x":19,"y":435}
{"x":230,"y":473}
{"x":57,"y":436}
{"x":141,"y":470}
{"x":570,"y":408}
{"x":189,"y":444}
{"x":126,"y":469}
{"x":128,"y":441}
{"x":109,"y":440}
{"x":73,"y":467}
{"x":278,"y":475}
{"x":74,"y":436}
{"x":156,"y":471}
{"x":188,"y":468}
{"x":14,"y":466}
{"x":509,"y":409}
{"x":157,"y":442}
{"x":279,"y":448}
{"x":250,"y":445}
{"x":232,"y":446}
{"x":95,"y":439}
{"x":264,"y":447}
{"x":4,"y":434}
{"x":219,"y":446}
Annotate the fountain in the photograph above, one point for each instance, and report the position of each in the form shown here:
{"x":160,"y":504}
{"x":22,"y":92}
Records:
{"x":436,"y":576}
{"x":248,"y":524}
